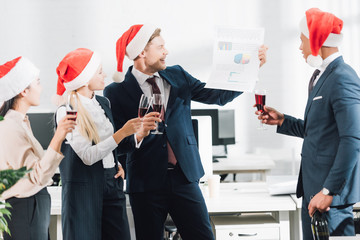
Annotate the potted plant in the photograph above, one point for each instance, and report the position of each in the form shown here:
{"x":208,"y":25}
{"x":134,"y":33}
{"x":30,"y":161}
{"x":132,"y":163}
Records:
{"x":7,"y":179}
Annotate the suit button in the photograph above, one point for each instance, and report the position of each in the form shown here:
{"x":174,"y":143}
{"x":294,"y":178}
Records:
{"x":165,"y":125}
{"x":305,"y":134}
{"x":164,"y":145}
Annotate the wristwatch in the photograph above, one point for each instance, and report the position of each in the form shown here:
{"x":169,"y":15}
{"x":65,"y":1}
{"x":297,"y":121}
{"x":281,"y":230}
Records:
{"x":327,"y":192}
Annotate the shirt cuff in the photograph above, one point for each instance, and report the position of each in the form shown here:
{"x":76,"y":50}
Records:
{"x":51,"y":153}
{"x":137,"y":144}
{"x":110,"y":141}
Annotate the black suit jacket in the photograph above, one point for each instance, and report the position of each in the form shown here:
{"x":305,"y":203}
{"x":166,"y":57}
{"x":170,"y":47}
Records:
{"x":147,"y":166}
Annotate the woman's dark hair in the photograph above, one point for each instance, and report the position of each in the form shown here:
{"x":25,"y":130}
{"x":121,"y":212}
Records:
{"x":9,"y":104}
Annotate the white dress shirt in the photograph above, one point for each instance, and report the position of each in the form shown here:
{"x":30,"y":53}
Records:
{"x":326,"y":63}
{"x":146,"y":88}
{"x":84,"y":148}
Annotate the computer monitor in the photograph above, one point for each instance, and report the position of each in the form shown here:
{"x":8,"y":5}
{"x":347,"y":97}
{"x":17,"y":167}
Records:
{"x":223,"y":124}
{"x":42,"y":125}
{"x":227,"y":126}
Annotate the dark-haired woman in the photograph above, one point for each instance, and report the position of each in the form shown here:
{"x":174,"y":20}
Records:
{"x":19,"y":90}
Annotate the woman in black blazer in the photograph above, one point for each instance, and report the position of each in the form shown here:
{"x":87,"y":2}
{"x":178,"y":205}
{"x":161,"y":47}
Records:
{"x":93,"y":201}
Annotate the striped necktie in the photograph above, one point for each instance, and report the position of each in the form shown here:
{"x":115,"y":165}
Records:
{"x":156,"y":90}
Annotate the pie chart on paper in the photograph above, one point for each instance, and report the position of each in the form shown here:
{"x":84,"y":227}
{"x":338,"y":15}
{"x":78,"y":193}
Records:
{"x":242,"y":58}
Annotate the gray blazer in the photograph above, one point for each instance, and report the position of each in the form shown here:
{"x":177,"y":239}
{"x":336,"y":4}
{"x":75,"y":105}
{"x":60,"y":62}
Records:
{"x":331,"y":131}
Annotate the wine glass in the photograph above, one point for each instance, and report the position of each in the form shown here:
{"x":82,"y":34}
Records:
{"x":71,"y":108}
{"x":157,"y":105}
{"x":260,"y":95}
{"x":144,"y":105}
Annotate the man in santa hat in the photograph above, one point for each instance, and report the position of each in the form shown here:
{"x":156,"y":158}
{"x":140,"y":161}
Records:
{"x":329,"y":178}
{"x":163,"y":170}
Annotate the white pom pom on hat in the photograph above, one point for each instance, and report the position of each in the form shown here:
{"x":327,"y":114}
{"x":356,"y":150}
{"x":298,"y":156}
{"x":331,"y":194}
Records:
{"x":322,"y":29}
{"x":118,"y":77}
{"x":314,"y":61}
{"x":131,"y":44}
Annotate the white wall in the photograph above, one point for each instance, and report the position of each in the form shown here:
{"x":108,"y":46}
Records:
{"x":45,"y":30}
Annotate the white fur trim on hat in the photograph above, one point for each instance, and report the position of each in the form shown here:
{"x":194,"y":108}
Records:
{"x":138,"y":43}
{"x":333,"y":40}
{"x":17,"y":79}
{"x":303,"y":27}
{"x":314,"y":61}
{"x":118,"y":77}
{"x":85,"y":76}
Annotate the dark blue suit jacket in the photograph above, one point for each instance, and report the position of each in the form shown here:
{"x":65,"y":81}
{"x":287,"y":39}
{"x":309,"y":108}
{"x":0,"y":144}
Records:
{"x":331,"y":131}
{"x":82,"y":191}
{"x":147,"y":166}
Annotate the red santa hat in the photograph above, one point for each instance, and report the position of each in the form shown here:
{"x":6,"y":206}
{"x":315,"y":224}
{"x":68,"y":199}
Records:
{"x":322,"y":29}
{"x":131,"y":44}
{"x":15,"y":76}
{"x":76,"y":70}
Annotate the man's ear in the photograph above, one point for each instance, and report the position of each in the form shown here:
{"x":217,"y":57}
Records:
{"x":142,"y":54}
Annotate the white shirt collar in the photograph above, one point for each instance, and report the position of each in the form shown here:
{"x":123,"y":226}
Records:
{"x":140,"y":76}
{"x":86,"y":100}
{"x":328,"y":60}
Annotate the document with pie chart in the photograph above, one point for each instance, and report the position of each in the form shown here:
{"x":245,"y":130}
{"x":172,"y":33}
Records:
{"x":235,"y":59}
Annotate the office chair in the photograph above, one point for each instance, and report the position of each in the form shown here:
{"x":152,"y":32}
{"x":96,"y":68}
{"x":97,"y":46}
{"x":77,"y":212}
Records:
{"x":171,"y":230}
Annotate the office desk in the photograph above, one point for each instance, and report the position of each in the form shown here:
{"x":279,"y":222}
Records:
{"x":345,"y":238}
{"x":55,"y":228}
{"x":246,"y":163}
{"x":251,"y":197}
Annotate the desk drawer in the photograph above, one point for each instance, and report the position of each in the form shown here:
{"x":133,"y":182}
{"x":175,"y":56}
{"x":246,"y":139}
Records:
{"x":248,"y":233}
{"x":243,"y":227}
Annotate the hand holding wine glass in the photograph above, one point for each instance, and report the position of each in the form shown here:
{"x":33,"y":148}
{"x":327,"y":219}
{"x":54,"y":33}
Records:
{"x":148,"y":123}
{"x":270,"y":116}
{"x":71,"y":108}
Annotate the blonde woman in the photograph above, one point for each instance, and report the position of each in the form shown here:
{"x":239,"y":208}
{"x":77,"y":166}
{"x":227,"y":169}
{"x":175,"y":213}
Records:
{"x":93,"y":201}
{"x":20,"y":89}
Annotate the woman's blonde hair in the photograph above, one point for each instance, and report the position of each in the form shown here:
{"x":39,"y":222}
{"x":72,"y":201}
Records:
{"x":85,"y":123}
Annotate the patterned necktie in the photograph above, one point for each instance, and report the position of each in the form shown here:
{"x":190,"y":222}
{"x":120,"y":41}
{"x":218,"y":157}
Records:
{"x":155,"y":87}
{"x":156,"y":90}
{"x":312,"y":80}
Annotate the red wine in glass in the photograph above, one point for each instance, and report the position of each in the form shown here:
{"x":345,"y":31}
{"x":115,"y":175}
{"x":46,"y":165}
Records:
{"x":72,"y":112}
{"x":144,"y":105}
{"x":157,"y":107}
{"x":71,"y":108}
{"x":260,"y":102}
{"x":157,"y":103}
{"x":260,"y":96}
{"x":142,"y":112}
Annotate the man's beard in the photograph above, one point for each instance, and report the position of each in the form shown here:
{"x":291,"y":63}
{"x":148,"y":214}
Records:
{"x":156,"y":67}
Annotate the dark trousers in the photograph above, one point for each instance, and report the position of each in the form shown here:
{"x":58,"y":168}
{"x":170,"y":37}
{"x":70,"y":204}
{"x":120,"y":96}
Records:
{"x":114,"y":218}
{"x":182,"y":199}
{"x":30,"y":217}
{"x":340,"y":220}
